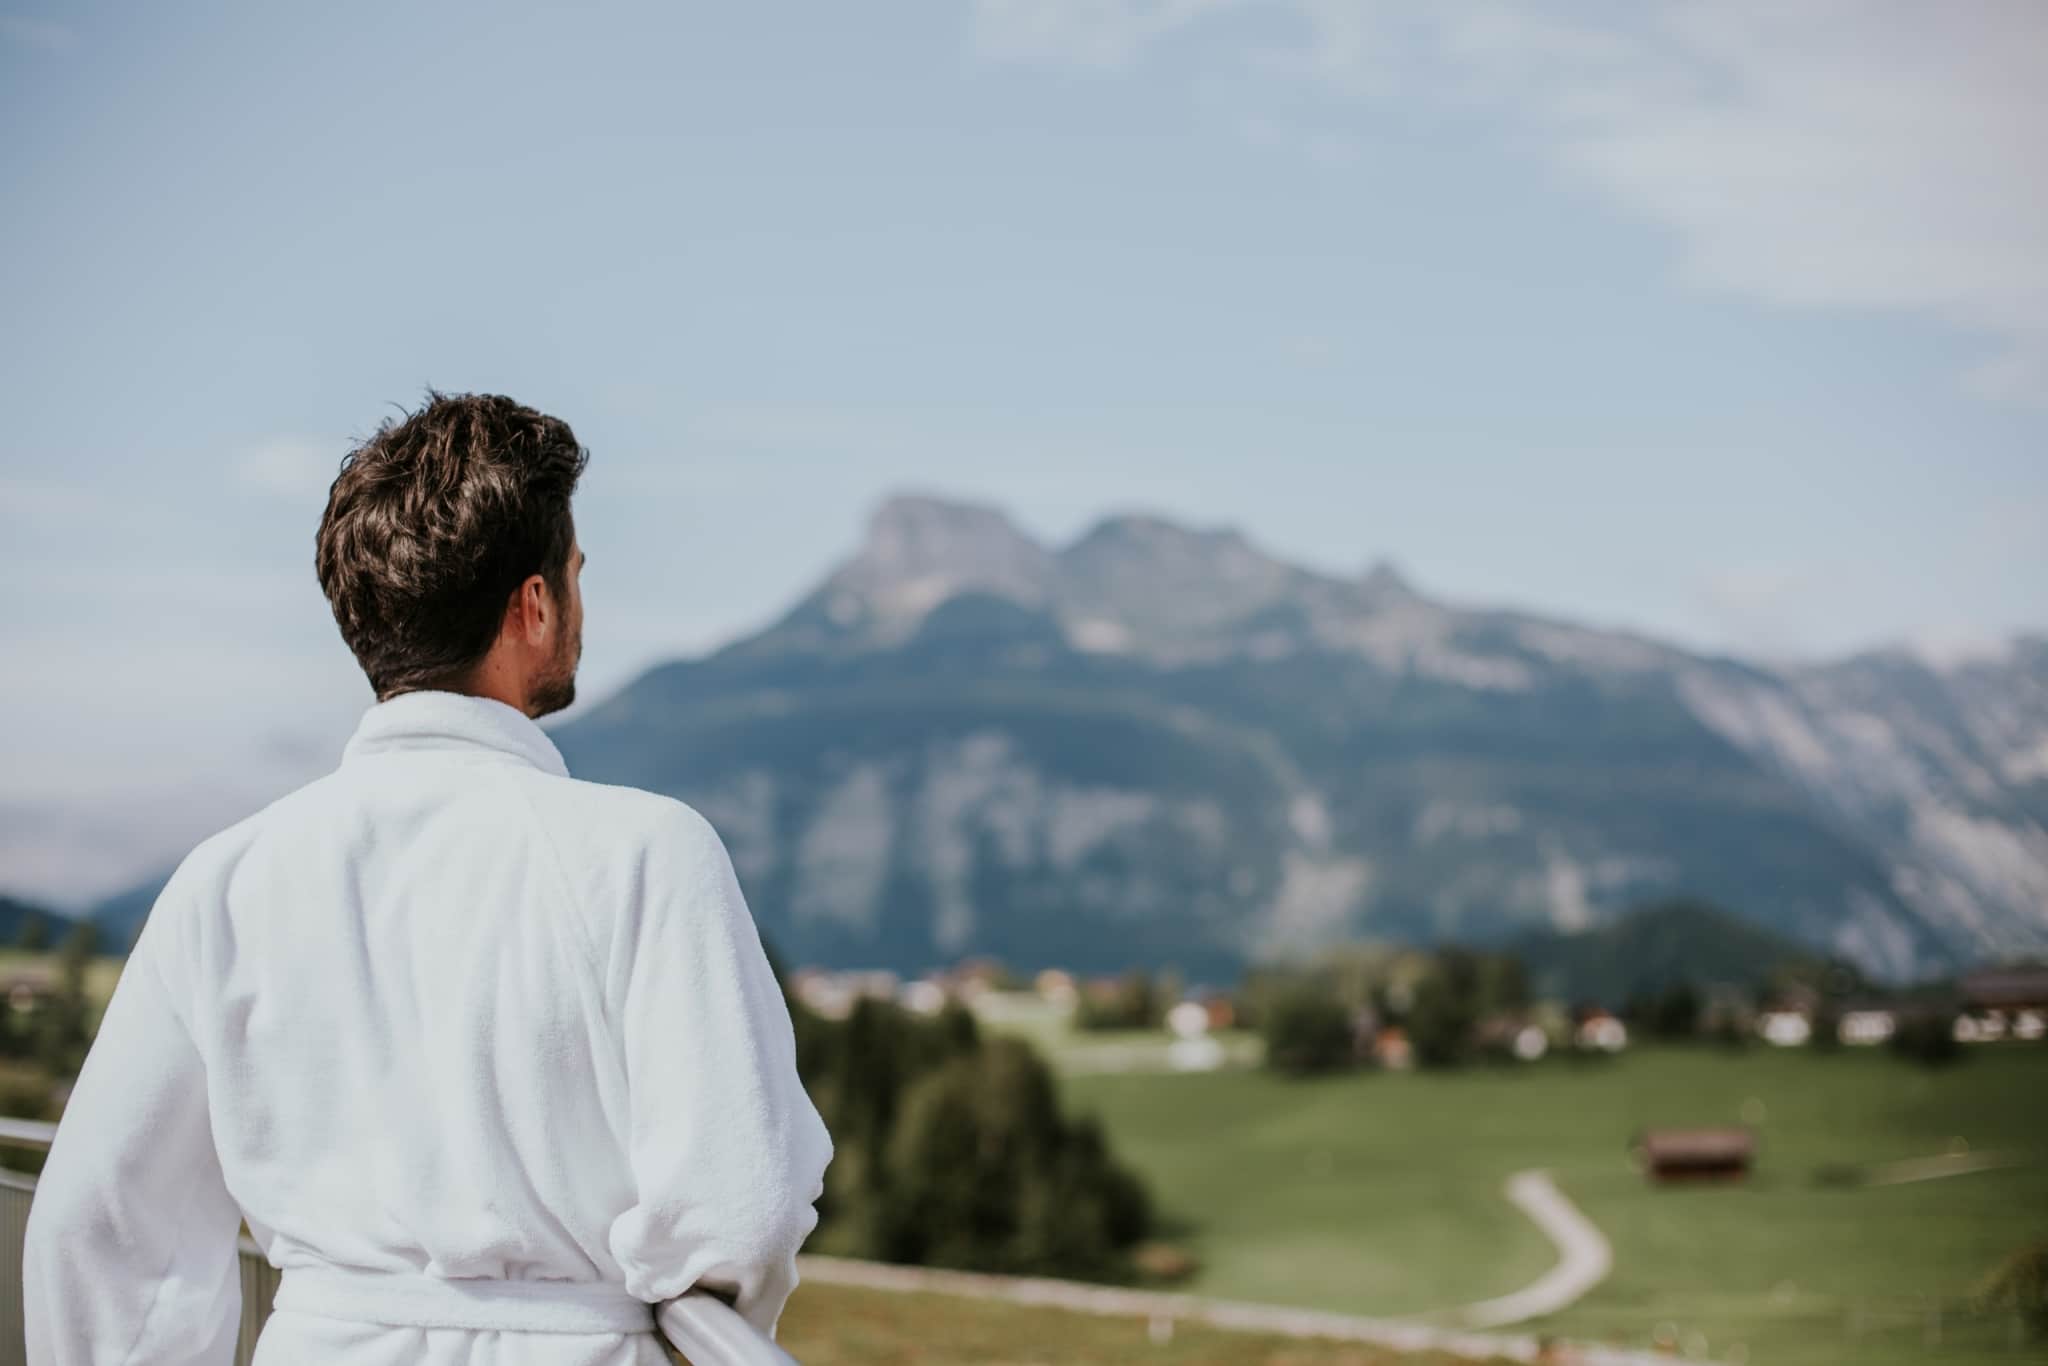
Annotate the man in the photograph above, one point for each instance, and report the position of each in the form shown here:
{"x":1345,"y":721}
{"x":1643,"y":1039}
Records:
{"x":489,"y":1058}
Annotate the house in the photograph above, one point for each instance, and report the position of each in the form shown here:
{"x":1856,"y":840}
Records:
{"x":1986,"y":1028}
{"x":926,"y":996}
{"x":1601,"y":1032}
{"x":1723,"y":1154}
{"x":1188,"y":1020}
{"x":1863,"y":1026}
{"x":2003,"y":1002}
{"x":1512,"y":1036}
{"x":1193,"y":1048}
{"x":2006,"y":990}
{"x":1786,"y":1028}
{"x":1222,"y":1012}
{"x":969,"y":979}
{"x":25,"y":991}
{"x":1057,"y":986}
{"x":832,"y":994}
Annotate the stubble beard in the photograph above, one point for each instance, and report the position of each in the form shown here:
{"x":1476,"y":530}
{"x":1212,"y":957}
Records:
{"x":558,"y":689}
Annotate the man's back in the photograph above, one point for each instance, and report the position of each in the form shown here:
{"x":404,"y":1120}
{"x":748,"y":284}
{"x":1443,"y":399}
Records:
{"x":458,"y":1016}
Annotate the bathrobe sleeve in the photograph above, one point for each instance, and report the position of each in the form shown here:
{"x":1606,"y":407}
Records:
{"x":130,"y":1253}
{"x":727,"y":1151}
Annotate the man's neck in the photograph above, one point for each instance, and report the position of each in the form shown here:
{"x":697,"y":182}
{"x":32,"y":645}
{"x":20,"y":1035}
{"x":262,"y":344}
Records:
{"x":484,"y":685}
{"x":514,"y":700}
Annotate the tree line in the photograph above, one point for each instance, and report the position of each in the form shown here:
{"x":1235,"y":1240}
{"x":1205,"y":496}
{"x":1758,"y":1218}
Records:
{"x":951,"y":1149}
{"x":47,"y":1020}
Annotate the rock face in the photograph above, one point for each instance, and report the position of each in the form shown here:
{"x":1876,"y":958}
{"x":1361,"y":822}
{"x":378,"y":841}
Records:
{"x":1162,"y":744}
{"x":1942,"y":770}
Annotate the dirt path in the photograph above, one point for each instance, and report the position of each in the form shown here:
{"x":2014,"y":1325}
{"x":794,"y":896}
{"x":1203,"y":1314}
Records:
{"x":1584,"y":1256}
{"x":1397,"y":1334}
{"x":1935,"y":1168}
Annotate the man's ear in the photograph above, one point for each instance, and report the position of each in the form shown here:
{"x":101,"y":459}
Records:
{"x":533,"y":594}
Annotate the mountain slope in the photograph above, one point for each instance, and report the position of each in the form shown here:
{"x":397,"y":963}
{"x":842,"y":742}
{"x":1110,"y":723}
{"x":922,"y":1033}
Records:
{"x":1944,"y":770}
{"x":120,"y":916}
{"x":1161,"y":741}
{"x":1654,"y":948}
{"x":15,"y":913}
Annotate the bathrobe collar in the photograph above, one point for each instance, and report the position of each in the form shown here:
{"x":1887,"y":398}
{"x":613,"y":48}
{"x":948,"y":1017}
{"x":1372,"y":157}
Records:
{"x":433,"y":719}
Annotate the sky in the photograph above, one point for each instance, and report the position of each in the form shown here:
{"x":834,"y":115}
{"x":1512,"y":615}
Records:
{"x":1723,"y":323}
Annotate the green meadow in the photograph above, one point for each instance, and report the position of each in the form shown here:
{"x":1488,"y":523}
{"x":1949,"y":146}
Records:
{"x":1382,"y":1193}
{"x":830,"y":1325}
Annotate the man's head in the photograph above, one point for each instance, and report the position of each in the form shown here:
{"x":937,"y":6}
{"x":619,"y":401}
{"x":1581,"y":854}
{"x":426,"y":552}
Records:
{"x":449,"y":555}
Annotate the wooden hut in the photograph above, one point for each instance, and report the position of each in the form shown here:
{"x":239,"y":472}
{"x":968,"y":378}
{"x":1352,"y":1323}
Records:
{"x":1723,"y":1154}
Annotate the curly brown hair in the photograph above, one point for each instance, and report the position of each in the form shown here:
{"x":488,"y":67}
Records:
{"x":433,"y":523}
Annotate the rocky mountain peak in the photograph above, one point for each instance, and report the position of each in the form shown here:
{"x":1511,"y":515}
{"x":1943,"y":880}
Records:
{"x":1382,"y":579}
{"x":917,"y":533}
{"x":1138,"y":547}
{"x":1153,"y":583}
{"x":921,"y":549}
{"x":1144,"y":532}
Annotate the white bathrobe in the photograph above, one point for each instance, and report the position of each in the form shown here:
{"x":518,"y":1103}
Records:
{"x":490,"y":1059}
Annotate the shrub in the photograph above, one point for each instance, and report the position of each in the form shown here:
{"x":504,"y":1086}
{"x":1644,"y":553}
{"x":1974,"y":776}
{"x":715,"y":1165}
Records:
{"x":1675,"y":1013}
{"x":1442,"y":1020}
{"x":1307,"y":1031}
{"x":34,"y":934}
{"x":1827,"y":1028}
{"x":1136,"y":1003}
{"x":983,"y":1174}
{"x":1928,"y":1039}
{"x":951,"y":1150}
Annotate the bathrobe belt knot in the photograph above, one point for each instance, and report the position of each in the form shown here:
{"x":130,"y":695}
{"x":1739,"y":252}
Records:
{"x":414,"y":1300}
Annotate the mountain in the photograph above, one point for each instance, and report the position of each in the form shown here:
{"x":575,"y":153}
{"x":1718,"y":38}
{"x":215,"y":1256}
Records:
{"x":1940,"y":768}
{"x":15,"y":914}
{"x":120,"y":916}
{"x":1163,"y":744}
{"x":1662,"y":945}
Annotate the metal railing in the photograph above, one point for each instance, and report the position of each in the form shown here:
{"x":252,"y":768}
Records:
{"x":704,"y":1328}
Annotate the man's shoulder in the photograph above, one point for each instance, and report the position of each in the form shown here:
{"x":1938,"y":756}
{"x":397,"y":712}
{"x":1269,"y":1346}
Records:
{"x":216,"y":855}
{"x":617,"y":843}
{"x":574,"y":810}
{"x":621,"y":816}
{"x":197,"y":884}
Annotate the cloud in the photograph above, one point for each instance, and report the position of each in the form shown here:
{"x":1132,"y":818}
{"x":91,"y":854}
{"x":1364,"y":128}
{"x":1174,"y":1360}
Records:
{"x":1806,"y":160}
{"x":1865,"y":156}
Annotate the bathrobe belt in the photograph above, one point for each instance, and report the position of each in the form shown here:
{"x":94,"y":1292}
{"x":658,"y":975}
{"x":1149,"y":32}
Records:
{"x":403,"y":1299}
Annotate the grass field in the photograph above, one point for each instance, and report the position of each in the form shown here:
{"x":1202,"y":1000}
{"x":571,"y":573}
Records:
{"x":100,"y":972}
{"x":1050,"y":1029}
{"x":829,"y":1325}
{"x":1381,"y":1194}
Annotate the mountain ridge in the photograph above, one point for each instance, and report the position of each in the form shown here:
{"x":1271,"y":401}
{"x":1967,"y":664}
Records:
{"x":1158,"y":740}
{"x":1140,"y":608}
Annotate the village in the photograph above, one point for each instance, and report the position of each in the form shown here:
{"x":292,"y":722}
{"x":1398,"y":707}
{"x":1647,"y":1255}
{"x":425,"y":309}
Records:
{"x":1201,"y":1028}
